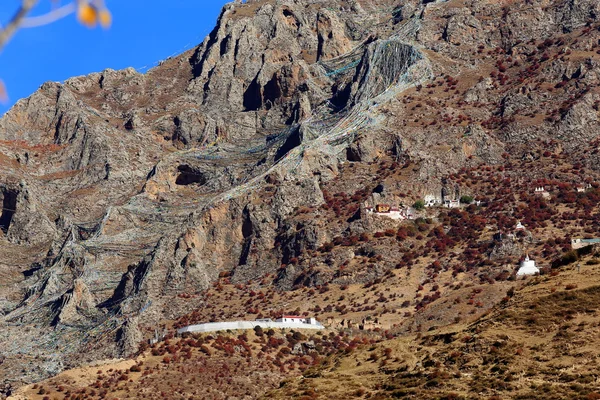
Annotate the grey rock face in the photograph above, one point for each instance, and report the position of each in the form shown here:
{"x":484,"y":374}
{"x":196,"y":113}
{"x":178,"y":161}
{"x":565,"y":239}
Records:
{"x":121,"y":190}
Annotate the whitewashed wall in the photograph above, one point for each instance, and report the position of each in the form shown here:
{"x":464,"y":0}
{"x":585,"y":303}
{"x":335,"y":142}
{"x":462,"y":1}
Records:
{"x":244,"y":325}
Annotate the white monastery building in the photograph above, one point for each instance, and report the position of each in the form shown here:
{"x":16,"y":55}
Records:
{"x":432,"y":201}
{"x":294,"y":319}
{"x":286,"y":321}
{"x":452,"y":203}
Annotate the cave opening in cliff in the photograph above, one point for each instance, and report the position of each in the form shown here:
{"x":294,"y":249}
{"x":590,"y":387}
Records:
{"x":272,"y":92}
{"x":353,"y":154}
{"x":294,"y":140}
{"x":224,"y":46}
{"x":189,"y":176}
{"x":253,"y":96}
{"x":341,"y":96}
{"x":9,"y":207}
{"x":247,"y":228}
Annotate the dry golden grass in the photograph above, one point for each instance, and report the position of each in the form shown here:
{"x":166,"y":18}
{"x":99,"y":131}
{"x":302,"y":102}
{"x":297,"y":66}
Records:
{"x":542,"y":343}
{"x":216,"y":366}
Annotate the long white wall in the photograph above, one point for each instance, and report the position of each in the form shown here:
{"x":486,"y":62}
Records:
{"x":581,"y":243}
{"x":244,"y":325}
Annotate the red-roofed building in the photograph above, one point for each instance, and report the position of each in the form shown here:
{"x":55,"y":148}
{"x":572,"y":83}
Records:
{"x":382,"y":208}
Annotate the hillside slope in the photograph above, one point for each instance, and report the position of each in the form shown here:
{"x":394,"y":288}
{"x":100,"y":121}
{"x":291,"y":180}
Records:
{"x":539,"y":343}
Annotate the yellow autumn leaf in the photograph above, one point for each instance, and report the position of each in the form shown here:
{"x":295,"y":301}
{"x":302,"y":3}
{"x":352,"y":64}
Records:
{"x":105,"y":18}
{"x":87,"y":15}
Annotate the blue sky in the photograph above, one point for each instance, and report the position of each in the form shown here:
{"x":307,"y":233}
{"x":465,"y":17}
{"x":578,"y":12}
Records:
{"x":143,"y":32}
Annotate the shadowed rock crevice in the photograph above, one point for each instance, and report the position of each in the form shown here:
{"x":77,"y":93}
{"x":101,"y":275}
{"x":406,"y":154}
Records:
{"x":341,"y":96}
{"x":9,"y":207}
{"x":353,"y":154}
{"x":294,"y":140}
{"x":224,"y":45}
{"x":272,"y":92}
{"x":291,"y":19}
{"x":198,"y":67}
{"x":248,"y":233}
{"x":252,"y":96}
{"x":189,"y":176}
{"x":129,"y":284}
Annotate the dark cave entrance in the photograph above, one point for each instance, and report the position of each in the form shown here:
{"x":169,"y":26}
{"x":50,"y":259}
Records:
{"x":189,"y":176}
{"x":9,"y":207}
{"x":253,"y":96}
{"x":341,"y":96}
{"x":294,"y":140}
{"x":272,"y":92}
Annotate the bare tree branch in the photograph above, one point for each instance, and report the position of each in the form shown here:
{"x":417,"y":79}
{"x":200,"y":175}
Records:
{"x":90,"y":13}
{"x":12,"y":26}
{"x":52,"y":16}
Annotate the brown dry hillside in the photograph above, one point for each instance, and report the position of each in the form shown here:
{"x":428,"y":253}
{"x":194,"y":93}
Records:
{"x":223,"y":365}
{"x":540,"y":342}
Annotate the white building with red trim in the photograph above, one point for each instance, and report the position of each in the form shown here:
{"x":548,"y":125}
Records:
{"x":295,"y":319}
{"x":285,"y":322}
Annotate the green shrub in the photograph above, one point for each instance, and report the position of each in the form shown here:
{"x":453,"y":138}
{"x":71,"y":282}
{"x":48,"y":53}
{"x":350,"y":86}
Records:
{"x":466,"y":199}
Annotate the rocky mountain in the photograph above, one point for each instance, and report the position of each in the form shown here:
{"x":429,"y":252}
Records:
{"x":250,"y":159}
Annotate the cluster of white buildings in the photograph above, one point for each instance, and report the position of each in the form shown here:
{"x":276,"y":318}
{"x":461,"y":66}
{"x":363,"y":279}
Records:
{"x":433,"y":201}
{"x":581,"y":188}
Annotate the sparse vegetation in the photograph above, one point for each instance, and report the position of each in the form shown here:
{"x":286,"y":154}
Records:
{"x":419,"y":205}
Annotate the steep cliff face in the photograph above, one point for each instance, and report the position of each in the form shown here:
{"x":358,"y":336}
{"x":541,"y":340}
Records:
{"x":122,"y":190}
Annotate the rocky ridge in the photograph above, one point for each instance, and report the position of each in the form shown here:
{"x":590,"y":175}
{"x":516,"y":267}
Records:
{"x":123,"y":190}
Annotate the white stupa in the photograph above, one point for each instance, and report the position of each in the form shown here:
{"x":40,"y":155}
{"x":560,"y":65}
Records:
{"x":528,"y":267}
{"x":519,"y":226}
